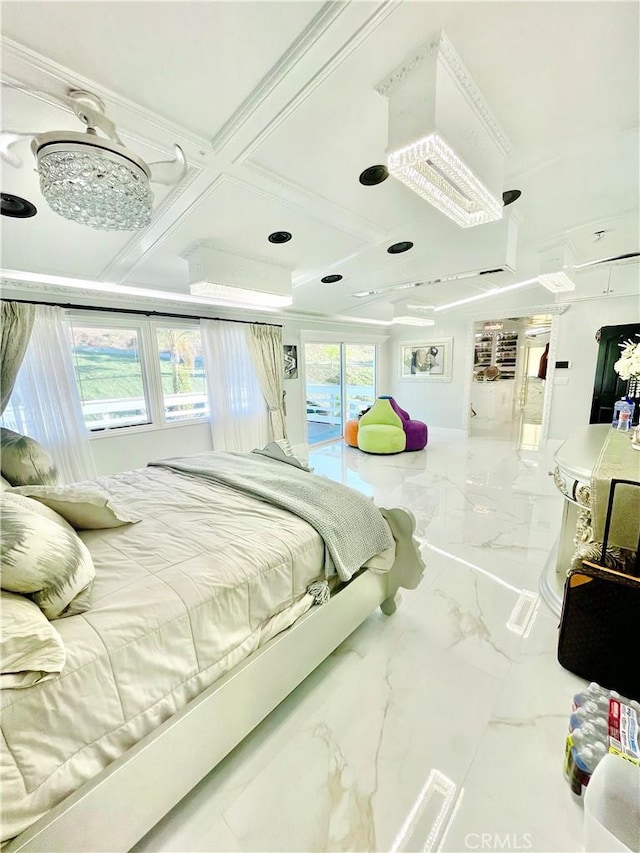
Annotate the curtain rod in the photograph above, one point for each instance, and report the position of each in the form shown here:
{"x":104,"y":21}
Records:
{"x":71,"y":306}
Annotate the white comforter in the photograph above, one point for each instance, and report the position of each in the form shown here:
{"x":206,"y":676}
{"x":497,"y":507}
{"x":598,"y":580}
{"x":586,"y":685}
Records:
{"x":179,"y":599}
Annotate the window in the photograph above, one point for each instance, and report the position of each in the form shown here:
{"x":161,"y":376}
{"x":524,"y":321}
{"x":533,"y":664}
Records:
{"x":138,"y":372}
{"x":110,"y":376}
{"x":182,"y":374}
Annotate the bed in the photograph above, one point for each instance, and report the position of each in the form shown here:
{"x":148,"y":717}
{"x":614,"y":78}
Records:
{"x":204,"y":617}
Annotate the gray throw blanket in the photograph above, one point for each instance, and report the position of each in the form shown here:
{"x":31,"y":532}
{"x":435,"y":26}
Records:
{"x":352,"y":528}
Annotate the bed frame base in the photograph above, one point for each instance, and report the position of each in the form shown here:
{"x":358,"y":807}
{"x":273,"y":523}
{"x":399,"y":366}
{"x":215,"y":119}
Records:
{"x":118,"y":807}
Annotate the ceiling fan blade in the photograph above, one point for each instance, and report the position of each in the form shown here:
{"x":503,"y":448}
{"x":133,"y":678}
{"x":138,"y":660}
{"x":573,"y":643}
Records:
{"x":7,"y":139}
{"x":625,"y":257}
{"x":169,"y":171}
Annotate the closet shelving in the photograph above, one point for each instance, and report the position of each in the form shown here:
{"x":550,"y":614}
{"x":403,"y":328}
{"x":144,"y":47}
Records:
{"x":483,"y":350}
{"x":506,"y":353}
{"x":496,"y":348}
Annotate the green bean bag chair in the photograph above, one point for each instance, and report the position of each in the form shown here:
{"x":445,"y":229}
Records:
{"x":381,"y":430}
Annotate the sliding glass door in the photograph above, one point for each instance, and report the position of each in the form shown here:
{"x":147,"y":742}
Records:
{"x":341,"y":382}
{"x":360,"y":373}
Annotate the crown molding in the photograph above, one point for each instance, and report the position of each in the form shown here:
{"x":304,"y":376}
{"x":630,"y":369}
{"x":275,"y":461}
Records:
{"x":382,"y":12}
{"x":49,"y":81}
{"x":36,"y":292}
{"x":406,"y":67}
{"x":441,"y":45}
{"x":320,"y":23}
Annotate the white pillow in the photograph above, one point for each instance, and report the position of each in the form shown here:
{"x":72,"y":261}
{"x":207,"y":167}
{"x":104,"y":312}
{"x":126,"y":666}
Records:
{"x":85,"y":507}
{"x":31,"y":650}
{"x":42,"y":556}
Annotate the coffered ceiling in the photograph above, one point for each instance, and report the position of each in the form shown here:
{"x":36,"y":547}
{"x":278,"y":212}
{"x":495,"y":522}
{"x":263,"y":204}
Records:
{"x":275,"y":106}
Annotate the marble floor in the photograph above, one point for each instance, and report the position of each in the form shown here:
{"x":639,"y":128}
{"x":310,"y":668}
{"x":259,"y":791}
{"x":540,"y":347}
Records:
{"x":441,"y":727}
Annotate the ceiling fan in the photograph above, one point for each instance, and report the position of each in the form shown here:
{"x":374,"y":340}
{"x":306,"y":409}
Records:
{"x":90,"y":179}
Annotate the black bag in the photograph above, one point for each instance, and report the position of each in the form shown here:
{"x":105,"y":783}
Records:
{"x":600,"y":621}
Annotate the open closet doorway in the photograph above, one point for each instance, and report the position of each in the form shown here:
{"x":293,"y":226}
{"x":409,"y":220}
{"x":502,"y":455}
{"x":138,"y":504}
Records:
{"x":509,"y":390}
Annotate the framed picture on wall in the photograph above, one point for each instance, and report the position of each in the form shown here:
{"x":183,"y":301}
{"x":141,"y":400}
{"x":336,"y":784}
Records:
{"x":426,"y":360}
{"x":290,"y":361}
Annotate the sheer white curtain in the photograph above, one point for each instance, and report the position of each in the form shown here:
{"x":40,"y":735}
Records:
{"x":265,"y":345}
{"x":238,"y":410}
{"x":45,"y":404}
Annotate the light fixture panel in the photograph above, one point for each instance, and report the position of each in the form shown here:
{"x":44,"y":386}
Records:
{"x":413,"y":314}
{"x":232,"y":279}
{"x":556,"y":282}
{"x":226,"y":294}
{"x":433,"y":170}
{"x":406,"y":320}
{"x":553,"y":263}
{"x":444,"y":142}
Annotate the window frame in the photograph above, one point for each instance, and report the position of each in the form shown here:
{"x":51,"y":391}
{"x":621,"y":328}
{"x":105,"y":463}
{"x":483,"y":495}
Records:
{"x":147,"y":329}
{"x":169,"y":323}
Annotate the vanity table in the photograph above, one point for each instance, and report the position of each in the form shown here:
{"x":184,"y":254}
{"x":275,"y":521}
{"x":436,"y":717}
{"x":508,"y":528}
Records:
{"x":574,"y":461}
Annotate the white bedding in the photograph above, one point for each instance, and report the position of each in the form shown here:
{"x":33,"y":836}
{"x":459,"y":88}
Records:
{"x":179,"y":599}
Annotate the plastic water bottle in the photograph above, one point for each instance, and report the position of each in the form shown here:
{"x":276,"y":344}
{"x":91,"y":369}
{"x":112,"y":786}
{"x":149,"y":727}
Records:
{"x":592,"y":691}
{"x":621,"y":415}
{"x":588,"y":738}
{"x":588,"y":712}
{"x":585,"y":759}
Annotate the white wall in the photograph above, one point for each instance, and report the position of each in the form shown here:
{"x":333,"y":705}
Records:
{"x":125,"y":449}
{"x":573,"y":388}
{"x":434,"y":402}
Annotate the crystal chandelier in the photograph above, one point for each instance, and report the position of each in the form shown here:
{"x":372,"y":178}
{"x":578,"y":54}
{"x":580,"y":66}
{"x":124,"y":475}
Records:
{"x":96,"y":185}
{"x":432,"y":169}
{"x":93,"y":180}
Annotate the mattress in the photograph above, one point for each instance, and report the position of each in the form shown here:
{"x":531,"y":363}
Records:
{"x":179,"y":599}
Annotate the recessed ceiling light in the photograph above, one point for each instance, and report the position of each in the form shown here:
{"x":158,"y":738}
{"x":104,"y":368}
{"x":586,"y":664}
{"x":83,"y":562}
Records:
{"x":279,"y":237}
{"x":331,"y":279}
{"x":398,"y":248}
{"x":18,"y":208}
{"x":509,"y":196}
{"x":374,"y":175}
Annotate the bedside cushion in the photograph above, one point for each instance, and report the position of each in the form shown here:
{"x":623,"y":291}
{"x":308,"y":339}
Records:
{"x":43,"y":557}
{"x":24,"y":462}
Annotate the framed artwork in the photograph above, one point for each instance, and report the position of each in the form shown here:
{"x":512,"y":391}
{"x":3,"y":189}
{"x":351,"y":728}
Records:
{"x":290,"y":361}
{"x":430,"y":360}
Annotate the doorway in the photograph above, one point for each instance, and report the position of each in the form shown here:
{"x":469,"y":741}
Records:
{"x":340,"y":383}
{"x":509,"y":391}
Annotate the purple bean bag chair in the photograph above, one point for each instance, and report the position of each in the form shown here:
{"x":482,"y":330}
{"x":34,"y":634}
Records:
{"x":416,"y":431}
